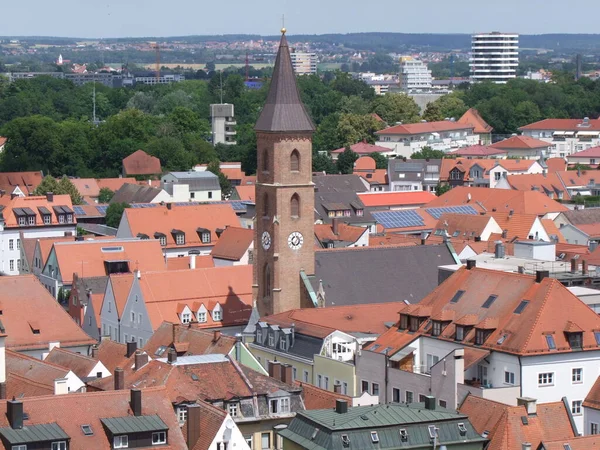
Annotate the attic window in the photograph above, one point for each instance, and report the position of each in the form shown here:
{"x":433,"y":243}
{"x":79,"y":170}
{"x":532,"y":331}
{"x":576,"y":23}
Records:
{"x":597,"y":336}
{"x":206,"y":237}
{"x":462,"y":429}
{"x":432,"y":431}
{"x":489,"y":301}
{"x":456,"y":233}
{"x":575,"y":340}
{"x":35,"y":327}
{"x":403,"y":322}
{"x":550,"y":342}
{"x":481,"y":336}
{"x":374,"y":437}
{"x":345,"y":441}
{"x":160,"y":350}
{"x":375,"y":347}
{"x":457,"y":296}
{"x":403,"y":435}
{"x":519,"y":309}
{"x":460,"y":333}
{"x":87,"y":430}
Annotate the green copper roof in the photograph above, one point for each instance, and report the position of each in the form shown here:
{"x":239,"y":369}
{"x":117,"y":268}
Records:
{"x":134,"y":424}
{"x":34,"y":433}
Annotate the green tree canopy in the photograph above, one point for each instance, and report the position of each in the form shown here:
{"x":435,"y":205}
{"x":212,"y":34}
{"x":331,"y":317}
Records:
{"x":62,"y":187}
{"x":381,"y":162}
{"x":356,"y":128}
{"x":114,"y":212}
{"x":393,"y":108}
{"x":224,"y":182}
{"x":105,"y":195}
{"x":346,"y":160}
{"x":428,"y":153}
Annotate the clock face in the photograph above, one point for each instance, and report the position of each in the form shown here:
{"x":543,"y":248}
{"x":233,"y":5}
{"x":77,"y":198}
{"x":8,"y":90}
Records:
{"x":295,"y":240}
{"x":266,"y":240}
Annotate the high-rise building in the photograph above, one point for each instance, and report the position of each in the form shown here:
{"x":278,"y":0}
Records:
{"x":285,"y":194}
{"x":223,"y":124}
{"x":494,"y":57}
{"x":304,"y":63}
{"x":414,"y":74}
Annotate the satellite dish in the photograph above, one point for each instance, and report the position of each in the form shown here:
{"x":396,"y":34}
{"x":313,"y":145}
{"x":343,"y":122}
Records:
{"x":229,"y":424}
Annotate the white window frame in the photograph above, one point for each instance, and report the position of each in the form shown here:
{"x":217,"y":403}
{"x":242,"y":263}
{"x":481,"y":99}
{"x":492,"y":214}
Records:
{"x":217,"y":315}
{"x":31,"y":221}
{"x":593,"y":428}
{"x":47,"y":219}
{"x":19,"y":447}
{"x":271,"y":340}
{"x":545,"y":379}
{"x":11,"y":244}
{"x":162,"y":437}
{"x":121,"y":441}
{"x":180,"y":239}
{"x":510,"y":376}
{"x":577,"y":375}
{"x":305,"y":376}
{"x":577,"y":407}
{"x":22,"y":221}
{"x":373,"y":386}
{"x":60,"y":445}
{"x":186,"y":318}
{"x":233,"y":409}
{"x":163,"y":241}
{"x":61,"y":219}
{"x":182,"y":414}
{"x":206,"y":237}
{"x":202,"y":316}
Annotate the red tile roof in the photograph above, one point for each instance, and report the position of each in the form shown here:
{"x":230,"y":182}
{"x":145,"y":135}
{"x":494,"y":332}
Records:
{"x":114,"y":184}
{"x":376,"y":240}
{"x":374,"y":199}
{"x":530,"y":202}
{"x":472,"y":117}
{"x":202,"y":262}
{"x":593,"y":152}
{"x":211,"y":420}
{"x":365,"y":163}
{"x":112,"y":354}
{"x":363,"y":148}
{"x":188,"y":219}
{"x":30,"y":377}
{"x":556,"y":165}
{"x":79,"y":364}
{"x":26,"y":181}
{"x":86,"y":186}
{"x":346,"y":233}
{"x":141,"y":163}
{"x":563,"y":125}
{"x":427,"y":127}
{"x":189,"y":340}
{"x":24,"y":297}
{"x":233,"y":243}
{"x":317,"y":398}
{"x":520,"y":142}
{"x":506,"y":429}
{"x":33,"y":203}
{"x":478,"y":150}
{"x":576,"y":443}
{"x":246,"y":193}
{"x":592,"y":400}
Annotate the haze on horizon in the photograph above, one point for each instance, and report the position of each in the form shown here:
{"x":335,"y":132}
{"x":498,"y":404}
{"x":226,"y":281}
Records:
{"x":136,"y":18}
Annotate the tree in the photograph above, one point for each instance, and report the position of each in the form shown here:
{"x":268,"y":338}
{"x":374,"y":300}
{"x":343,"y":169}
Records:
{"x":65,"y":186}
{"x":428,"y":153}
{"x":48,"y":184}
{"x":441,"y":189}
{"x":105,"y":195}
{"x":224,"y":182}
{"x":393,"y":108}
{"x":322,"y":162}
{"x":381,"y":162}
{"x":210,"y":66}
{"x":356,"y":128}
{"x":346,"y":160}
{"x":114,"y":212}
{"x":447,"y":106}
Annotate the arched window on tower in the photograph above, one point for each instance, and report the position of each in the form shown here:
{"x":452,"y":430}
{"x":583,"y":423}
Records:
{"x":265,"y":161}
{"x":267,"y":281}
{"x":295,"y":206}
{"x":265,"y":209}
{"x":295,"y":161}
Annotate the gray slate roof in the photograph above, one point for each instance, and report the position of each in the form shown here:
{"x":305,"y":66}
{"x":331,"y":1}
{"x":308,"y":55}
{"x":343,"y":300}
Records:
{"x":411,"y":169}
{"x":34,"y":433}
{"x":134,"y":424}
{"x":583,"y":216}
{"x":284,"y":110}
{"x":379,"y":274}
{"x":96,"y":284}
{"x":323,"y":200}
{"x":339,"y":183}
{"x":135,"y":193}
{"x":197,"y":181}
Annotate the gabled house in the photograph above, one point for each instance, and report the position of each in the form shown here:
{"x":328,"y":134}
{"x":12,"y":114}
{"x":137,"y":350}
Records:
{"x":135,"y":305}
{"x":525,"y":147}
{"x":192,"y":186}
{"x":18,"y":184}
{"x":366,"y":168}
{"x":340,"y":235}
{"x":85,"y":367}
{"x":522,"y":336}
{"x":117,"y":419}
{"x":591,"y":410}
{"x":481,"y":127}
{"x":32,"y":217}
{"x":87,"y":292}
{"x":35,"y":251}
{"x":179,"y":229}
{"x":98,"y":258}
{"x":140,"y":163}
{"x":363,"y":149}
{"x":234,"y":247}
{"x":414,"y":174}
{"x":140,"y":193}
{"x":395,"y":200}
{"x":480,"y":152}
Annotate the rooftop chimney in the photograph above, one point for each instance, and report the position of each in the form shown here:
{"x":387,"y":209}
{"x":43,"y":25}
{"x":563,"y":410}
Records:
{"x":172,"y":356}
{"x":287,"y":374}
{"x":136,"y":402}
{"x":193,"y":425}
{"x":499,"y":250}
{"x":541,"y":274}
{"x":529,"y":403}
{"x":216,"y":335}
{"x":141,"y":359}
{"x":335,"y":223}
{"x":341,"y":406}
{"x":14,"y":413}
{"x":459,"y":365}
{"x":430,"y":402}
{"x":50,"y":196}
{"x":131,"y":348}
{"x":119,"y":377}
{"x":471,"y":264}
{"x":526,"y":446}
{"x":574,"y":265}
{"x":192,"y":261}
{"x":275,"y":369}
{"x":169,"y":206}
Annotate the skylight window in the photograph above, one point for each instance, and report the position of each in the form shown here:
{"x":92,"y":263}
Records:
{"x":345,"y":440}
{"x":374,"y":437}
{"x":489,"y":301}
{"x":462,"y":429}
{"x":403,"y":435}
{"x":550,"y":342}
{"x":457,"y":296}
{"x":519,"y":309}
{"x":432,"y":431}
{"x":87,"y":430}
{"x":597,"y":336}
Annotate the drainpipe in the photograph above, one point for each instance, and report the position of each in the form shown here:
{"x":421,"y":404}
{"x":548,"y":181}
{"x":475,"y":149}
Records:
{"x":387,"y":369}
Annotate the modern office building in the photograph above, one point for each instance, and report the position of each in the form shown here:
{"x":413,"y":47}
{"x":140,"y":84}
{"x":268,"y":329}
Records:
{"x":304,"y":63}
{"x":494,"y":57}
{"x":223,"y":124}
{"x":414,"y":75}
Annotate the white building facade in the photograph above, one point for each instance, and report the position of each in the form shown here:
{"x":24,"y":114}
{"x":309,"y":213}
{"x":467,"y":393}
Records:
{"x":304,"y":63}
{"x":223,"y":124}
{"x":494,"y":57}
{"x":414,"y":75}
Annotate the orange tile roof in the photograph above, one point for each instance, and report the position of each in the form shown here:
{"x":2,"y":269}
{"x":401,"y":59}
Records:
{"x":233,"y":243}
{"x":506,"y":429}
{"x":465,"y":225}
{"x":363,"y":148}
{"x":593,"y":152}
{"x":346,"y":233}
{"x":87,"y":258}
{"x":188,"y":219}
{"x":478,"y":150}
{"x":112,"y":354}
{"x":563,"y":125}
{"x":376,"y":240}
{"x":28,"y":376}
{"x":516,"y":225}
{"x":86,"y":186}
{"x":229,"y":286}
{"x":3,"y":140}
{"x":34,"y":203}
{"x":26,"y":181}
{"x":374,"y":199}
{"x":141,"y":163}
{"x":365,"y":163}
{"x":548,"y":183}
{"x":520,"y":142}
{"x":530,"y":202}
{"x":427,"y":127}
{"x":211,"y":420}
{"x":591,"y":229}
{"x":576,"y":443}
{"x":317,"y":398}
{"x":550,"y":308}
{"x":592,"y":400}
{"x":377,"y":176}
{"x":24,"y":297}
{"x":114,"y":184}
{"x":189,"y":340}
{"x":246,"y":193}
{"x":552,"y":230}
{"x":233,"y":171}
{"x":472,"y":117}
{"x":202,"y":262}
{"x":89,"y":408}
{"x":79,"y":364}
{"x":556,"y":165}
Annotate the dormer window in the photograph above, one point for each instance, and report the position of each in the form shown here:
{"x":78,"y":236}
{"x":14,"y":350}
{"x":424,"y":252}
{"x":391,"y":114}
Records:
{"x":61,"y":219}
{"x":217,"y":315}
{"x":258,"y":335}
{"x":180,"y":238}
{"x":121,"y":441}
{"x":283,"y":343}
{"x":271,"y":340}
{"x":201,"y":316}
{"x":206,"y":238}
{"x":481,"y":336}
{"x":360,"y":212}
{"x":575,"y":340}
{"x":403,"y":321}
{"x":159,"y":437}
{"x":60,"y":445}
{"x":22,"y":221}
{"x":47,"y":219}
{"x":186,"y":318}
{"x":31,"y":220}
{"x":414,"y":323}
{"x":436,"y":328}
{"x":460,"y":333}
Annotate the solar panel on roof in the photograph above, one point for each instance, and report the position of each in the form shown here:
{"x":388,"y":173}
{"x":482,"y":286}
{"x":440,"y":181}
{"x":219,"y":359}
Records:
{"x":102,"y":209}
{"x":79,"y":210}
{"x":398,"y":219}
{"x":436,"y":213}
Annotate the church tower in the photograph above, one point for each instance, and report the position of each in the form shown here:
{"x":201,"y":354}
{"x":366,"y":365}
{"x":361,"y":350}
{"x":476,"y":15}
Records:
{"x":284,"y":230}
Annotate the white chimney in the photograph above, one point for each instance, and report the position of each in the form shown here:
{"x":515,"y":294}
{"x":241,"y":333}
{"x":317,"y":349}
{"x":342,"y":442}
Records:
{"x":138,"y":274}
{"x":3,"y":359}
{"x":192,"y":261}
{"x":60,"y":386}
{"x":459,"y":365}
{"x":526,"y":446}
{"x":529,"y":403}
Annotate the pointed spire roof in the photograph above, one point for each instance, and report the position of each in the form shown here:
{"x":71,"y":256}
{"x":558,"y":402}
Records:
{"x":284,"y":110}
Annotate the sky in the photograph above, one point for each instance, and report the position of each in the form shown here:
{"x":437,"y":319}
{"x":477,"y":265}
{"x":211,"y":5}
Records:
{"x":133,"y":18}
